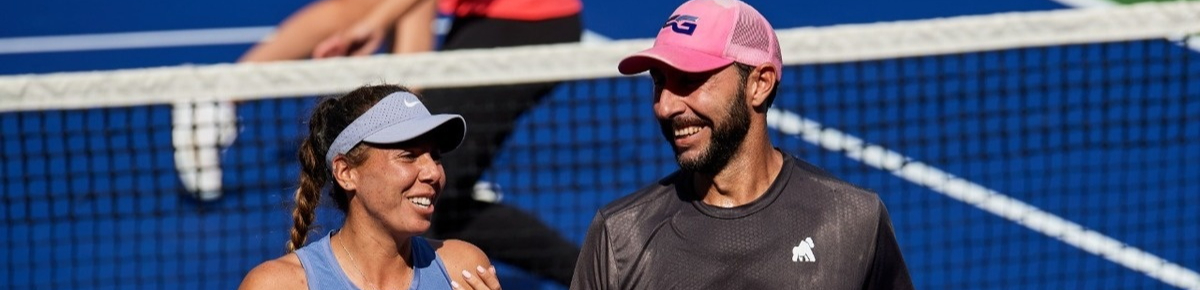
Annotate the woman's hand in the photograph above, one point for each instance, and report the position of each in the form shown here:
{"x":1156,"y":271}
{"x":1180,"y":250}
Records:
{"x":482,"y":279}
{"x":356,"y":41}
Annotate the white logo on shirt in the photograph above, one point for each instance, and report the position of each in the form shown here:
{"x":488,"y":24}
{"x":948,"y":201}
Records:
{"x":804,"y":252}
{"x":411,"y":104}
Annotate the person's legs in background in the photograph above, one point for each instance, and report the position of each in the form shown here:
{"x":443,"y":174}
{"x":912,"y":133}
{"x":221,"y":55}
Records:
{"x":505,"y":233}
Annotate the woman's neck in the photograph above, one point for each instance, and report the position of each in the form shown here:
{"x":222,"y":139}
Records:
{"x":374,"y":258}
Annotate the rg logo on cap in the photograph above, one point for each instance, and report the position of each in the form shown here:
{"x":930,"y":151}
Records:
{"x":683,"y":24}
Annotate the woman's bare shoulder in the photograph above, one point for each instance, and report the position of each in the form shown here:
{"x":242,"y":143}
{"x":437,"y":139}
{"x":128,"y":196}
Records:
{"x":460,"y":255}
{"x":281,"y":273}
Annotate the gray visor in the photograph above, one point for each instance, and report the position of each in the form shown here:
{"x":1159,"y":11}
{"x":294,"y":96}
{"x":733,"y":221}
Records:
{"x":399,"y":117}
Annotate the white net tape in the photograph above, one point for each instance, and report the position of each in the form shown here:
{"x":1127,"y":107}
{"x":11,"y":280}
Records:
{"x":575,"y":61}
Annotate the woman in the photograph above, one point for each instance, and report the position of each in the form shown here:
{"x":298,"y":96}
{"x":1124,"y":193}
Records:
{"x":331,"y":28}
{"x":506,"y":233}
{"x":378,"y":149}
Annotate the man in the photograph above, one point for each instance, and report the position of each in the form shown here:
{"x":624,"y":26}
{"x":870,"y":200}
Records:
{"x":739,"y":214}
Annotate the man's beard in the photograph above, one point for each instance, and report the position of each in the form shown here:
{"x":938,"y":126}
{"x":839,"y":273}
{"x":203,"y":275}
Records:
{"x":725,"y":141}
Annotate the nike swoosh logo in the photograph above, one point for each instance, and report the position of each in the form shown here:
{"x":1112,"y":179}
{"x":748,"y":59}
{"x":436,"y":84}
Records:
{"x":411,"y":104}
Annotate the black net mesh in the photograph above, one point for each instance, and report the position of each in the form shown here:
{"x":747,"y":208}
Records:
{"x":1103,"y":135}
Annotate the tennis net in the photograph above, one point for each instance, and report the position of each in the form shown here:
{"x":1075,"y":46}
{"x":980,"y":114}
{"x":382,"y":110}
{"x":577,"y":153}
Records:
{"x":1022,"y":150}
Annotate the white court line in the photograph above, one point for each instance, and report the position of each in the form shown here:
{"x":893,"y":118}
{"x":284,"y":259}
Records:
{"x":173,"y":38}
{"x":131,"y":40}
{"x":1086,"y":3}
{"x":989,"y":200}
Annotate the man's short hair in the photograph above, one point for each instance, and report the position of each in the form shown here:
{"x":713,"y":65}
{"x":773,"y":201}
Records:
{"x":744,"y":70}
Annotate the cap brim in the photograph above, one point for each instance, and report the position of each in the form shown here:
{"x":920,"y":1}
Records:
{"x":677,"y":57}
{"x":449,"y":130}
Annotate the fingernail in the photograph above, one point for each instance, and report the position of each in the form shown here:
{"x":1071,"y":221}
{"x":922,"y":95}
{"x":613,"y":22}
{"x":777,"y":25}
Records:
{"x":467,"y":274}
{"x":480,"y":269}
{"x":492,"y":269}
{"x":455,"y":285}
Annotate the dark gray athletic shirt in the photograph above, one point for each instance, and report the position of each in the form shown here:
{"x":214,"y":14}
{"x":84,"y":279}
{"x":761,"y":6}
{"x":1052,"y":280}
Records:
{"x":810,"y":230}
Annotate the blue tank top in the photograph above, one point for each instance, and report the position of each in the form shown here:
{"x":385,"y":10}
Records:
{"x":323,"y":271}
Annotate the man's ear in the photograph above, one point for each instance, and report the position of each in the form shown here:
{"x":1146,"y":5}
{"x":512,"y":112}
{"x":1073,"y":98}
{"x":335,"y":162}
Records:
{"x":761,"y":81}
{"x":344,"y":174}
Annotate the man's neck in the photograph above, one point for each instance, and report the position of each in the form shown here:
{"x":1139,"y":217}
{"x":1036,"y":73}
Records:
{"x":746,"y":178}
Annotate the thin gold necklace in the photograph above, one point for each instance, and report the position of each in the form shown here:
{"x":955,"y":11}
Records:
{"x":356,"y":269}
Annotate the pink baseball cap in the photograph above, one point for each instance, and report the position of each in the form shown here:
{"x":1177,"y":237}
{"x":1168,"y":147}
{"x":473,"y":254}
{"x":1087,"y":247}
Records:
{"x":704,"y":35}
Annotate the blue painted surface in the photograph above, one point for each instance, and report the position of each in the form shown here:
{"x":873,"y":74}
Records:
{"x":91,"y":200}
